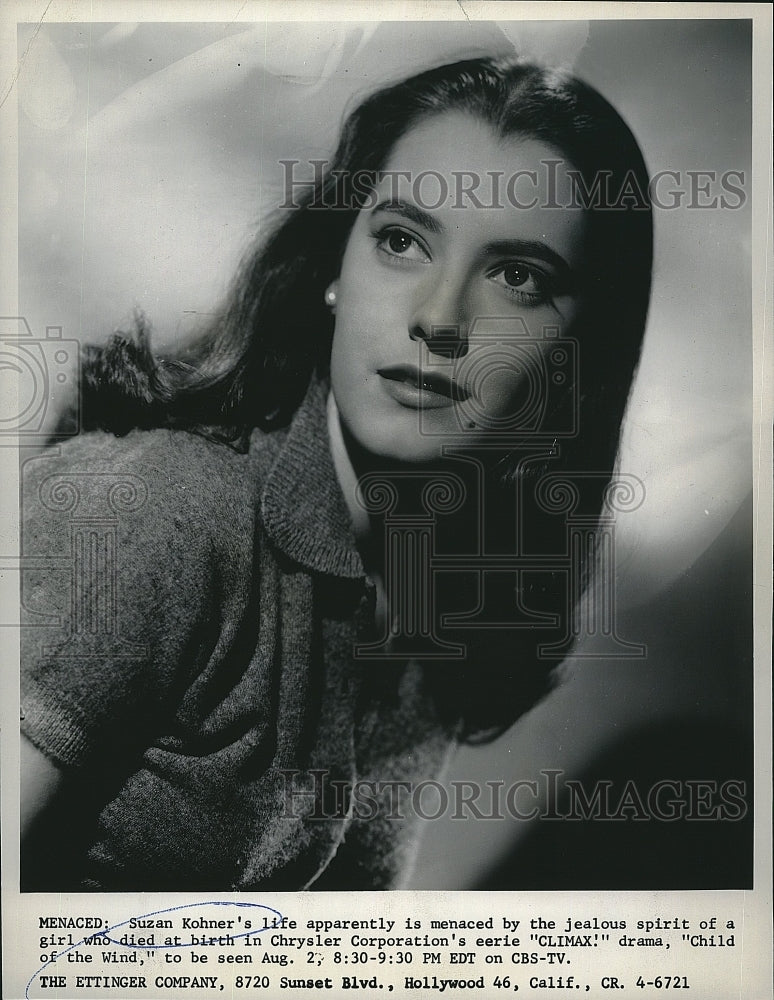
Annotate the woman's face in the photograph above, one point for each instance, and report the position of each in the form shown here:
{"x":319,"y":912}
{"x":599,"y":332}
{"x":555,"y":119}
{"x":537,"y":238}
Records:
{"x":449,"y":308}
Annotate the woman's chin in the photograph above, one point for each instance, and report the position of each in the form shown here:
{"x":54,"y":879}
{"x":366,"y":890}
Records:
{"x":386,"y":451}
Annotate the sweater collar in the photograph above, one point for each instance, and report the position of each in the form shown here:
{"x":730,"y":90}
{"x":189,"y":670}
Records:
{"x":302,"y":505}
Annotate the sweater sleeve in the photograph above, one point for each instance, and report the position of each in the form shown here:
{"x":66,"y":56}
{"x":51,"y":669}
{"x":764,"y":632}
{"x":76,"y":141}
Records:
{"x":118,"y":586}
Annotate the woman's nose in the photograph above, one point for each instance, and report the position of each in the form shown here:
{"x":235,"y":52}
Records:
{"x":439,"y":318}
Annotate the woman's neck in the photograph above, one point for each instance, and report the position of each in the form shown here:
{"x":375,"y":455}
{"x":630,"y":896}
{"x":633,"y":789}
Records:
{"x":351,"y":464}
{"x":347,"y":477}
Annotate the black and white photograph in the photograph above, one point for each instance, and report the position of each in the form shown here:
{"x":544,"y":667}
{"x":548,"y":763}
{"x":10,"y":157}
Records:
{"x":386,"y":408}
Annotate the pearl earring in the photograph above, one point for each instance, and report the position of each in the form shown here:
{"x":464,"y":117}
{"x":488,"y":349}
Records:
{"x":330,"y":297}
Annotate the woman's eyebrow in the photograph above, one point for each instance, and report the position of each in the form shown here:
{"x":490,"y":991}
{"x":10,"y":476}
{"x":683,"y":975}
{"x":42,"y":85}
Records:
{"x":528,"y":248}
{"x":411,"y":212}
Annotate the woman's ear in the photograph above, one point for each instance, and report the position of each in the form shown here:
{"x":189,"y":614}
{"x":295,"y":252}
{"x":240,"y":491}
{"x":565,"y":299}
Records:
{"x":331,"y":294}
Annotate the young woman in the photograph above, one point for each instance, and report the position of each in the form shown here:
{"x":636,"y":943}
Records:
{"x":293,"y":553}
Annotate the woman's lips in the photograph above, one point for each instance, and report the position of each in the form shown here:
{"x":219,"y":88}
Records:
{"x":412,"y":387}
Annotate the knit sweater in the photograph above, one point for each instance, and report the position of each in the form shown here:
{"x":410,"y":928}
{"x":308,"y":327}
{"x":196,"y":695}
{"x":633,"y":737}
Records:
{"x":189,"y":620}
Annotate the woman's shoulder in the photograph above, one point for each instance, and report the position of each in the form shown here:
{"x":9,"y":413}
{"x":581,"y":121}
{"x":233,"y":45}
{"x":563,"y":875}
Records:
{"x":173,"y":479}
{"x":171,"y":458}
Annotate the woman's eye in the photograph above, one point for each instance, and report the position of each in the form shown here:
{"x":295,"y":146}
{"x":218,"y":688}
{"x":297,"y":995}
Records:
{"x":526,"y":283}
{"x":400,"y":243}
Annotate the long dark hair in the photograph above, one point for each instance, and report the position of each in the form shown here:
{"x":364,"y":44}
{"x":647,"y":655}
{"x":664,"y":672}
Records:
{"x":251,"y":367}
